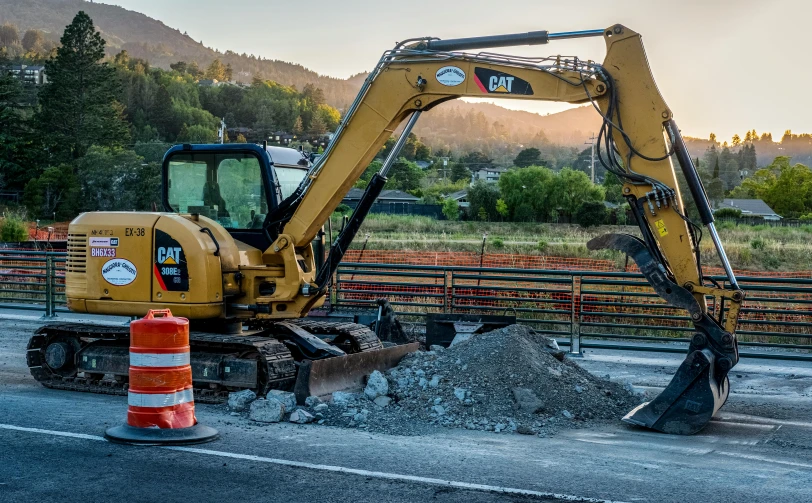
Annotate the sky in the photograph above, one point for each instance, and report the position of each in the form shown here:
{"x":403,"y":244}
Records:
{"x":722,"y":66}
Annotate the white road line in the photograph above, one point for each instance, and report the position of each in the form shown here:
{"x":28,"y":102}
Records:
{"x":334,"y":469}
{"x":754,"y":457}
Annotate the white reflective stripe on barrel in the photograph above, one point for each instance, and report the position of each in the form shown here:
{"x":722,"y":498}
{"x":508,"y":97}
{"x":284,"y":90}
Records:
{"x":159,"y":359}
{"x":159,"y":399}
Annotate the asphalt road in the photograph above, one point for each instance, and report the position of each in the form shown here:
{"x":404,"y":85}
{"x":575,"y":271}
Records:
{"x":758,"y":449}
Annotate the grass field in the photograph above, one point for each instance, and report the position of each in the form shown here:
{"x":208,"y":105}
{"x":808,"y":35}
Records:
{"x":759,"y":248}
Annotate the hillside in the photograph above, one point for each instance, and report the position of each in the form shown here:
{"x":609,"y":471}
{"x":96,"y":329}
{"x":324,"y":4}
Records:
{"x":458,"y":123}
{"x":150,"y":39}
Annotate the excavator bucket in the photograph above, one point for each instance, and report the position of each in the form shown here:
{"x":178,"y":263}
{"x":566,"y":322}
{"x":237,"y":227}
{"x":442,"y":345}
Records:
{"x":689,"y":401}
{"x":321,"y":377}
{"x":700,"y":386}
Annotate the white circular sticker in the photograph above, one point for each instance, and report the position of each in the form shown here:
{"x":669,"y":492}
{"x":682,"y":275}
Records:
{"x":119,"y":272}
{"x":450,"y":76}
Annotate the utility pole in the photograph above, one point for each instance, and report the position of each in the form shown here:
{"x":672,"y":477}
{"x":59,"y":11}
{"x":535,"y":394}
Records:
{"x":592,"y":142}
{"x":222,"y":132}
{"x":444,"y":169}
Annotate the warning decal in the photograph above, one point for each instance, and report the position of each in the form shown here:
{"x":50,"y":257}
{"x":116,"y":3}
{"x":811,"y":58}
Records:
{"x":171,"y":271}
{"x":661,"y":227}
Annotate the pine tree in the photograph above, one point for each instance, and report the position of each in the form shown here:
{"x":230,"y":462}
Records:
{"x":78,"y":106}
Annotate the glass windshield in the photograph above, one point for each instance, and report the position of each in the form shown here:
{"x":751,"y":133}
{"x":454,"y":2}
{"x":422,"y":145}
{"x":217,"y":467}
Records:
{"x":289,"y":179}
{"x":224,"y":187}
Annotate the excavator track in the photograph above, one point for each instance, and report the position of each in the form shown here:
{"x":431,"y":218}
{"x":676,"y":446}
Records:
{"x":276,"y":366}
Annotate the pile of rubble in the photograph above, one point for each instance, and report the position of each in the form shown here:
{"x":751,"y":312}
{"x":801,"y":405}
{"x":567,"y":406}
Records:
{"x":508,"y":380}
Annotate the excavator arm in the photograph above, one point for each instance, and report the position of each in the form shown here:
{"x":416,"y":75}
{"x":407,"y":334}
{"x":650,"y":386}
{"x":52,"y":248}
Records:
{"x":638,"y":139}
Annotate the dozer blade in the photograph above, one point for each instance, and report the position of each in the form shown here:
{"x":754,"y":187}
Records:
{"x":321,"y":377}
{"x":700,"y":386}
{"x":689,"y":401}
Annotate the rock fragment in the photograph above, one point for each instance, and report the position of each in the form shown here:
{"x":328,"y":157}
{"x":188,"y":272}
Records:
{"x":266,"y":411}
{"x":377,"y":385}
{"x":300,"y":416}
{"x":238,"y":401}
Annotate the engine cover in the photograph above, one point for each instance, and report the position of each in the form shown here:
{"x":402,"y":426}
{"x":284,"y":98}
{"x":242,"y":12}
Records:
{"x":124,"y":263}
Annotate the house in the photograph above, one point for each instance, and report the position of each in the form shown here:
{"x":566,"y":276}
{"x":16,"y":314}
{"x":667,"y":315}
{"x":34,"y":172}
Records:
{"x":209,"y":83}
{"x":282,"y":137}
{"x":751,"y":208}
{"x":489,"y":174}
{"x":391,"y":197}
{"x":423,"y":164}
{"x":33,"y":75}
{"x":461,"y":196}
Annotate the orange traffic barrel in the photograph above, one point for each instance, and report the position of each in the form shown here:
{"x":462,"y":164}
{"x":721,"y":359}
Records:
{"x":160,"y":397}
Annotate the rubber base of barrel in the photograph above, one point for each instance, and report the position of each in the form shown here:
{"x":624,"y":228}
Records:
{"x":126,"y":434}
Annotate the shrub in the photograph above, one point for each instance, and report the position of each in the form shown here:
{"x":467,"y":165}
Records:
{"x":728,"y":213}
{"x":543,"y":245}
{"x":590,"y":214}
{"x":13,"y":228}
{"x":498,"y":243}
{"x":451,"y":209}
{"x":343,"y":209}
{"x":757,"y":244}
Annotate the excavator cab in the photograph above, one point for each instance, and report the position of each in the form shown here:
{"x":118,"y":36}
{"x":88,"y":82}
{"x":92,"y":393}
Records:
{"x":237,"y":185}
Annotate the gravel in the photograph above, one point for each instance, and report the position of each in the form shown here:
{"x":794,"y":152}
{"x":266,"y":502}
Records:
{"x":508,"y":380}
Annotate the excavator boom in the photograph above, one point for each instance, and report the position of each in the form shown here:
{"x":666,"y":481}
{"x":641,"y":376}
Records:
{"x":639,"y":141}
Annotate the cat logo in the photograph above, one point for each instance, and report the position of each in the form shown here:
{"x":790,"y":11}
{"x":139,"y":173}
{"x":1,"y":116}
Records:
{"x":494,"y":82}
{"x":168,"y":255}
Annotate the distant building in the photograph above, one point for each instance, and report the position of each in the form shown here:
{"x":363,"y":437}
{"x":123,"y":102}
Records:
{"x":461,"y":196}
{"x":32,"y":75}
{"x":489,"y":174}
{"x":390,"y":197}
{"x":751,"y":208}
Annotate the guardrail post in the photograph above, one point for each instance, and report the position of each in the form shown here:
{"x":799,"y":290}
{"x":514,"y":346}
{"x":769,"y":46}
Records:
{"x":575,"y":317}
{"x":446,"y":291}
{"x":49,"y":286}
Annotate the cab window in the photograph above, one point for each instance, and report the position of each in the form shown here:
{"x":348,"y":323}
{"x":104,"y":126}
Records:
{"x":227,"y":188}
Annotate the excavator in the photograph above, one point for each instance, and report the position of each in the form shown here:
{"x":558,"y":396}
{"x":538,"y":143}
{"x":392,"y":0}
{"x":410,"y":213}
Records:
{"x":232,"y":249}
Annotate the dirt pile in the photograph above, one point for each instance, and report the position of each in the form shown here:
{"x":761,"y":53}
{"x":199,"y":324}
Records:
{"x":507,"y":380}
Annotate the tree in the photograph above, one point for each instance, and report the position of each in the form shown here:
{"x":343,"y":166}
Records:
{"x":451,"y":209}
{"x":476,"y":160}
{"x":9,"y":35}
{"x":501,"y":208}
{"x":528,"y":193}
{"x":317,"y":126}
{"x":482,"y":198}
{"x":712,"y":138}
{"x":613,"y":188}
{"x":590,"y":214}
{"x":736,"y":140}
{"x":117,"y":180}
{"x":298,"y":127}
{"x":329,"y":115}
{"x":405,"y":175}
{"x":78,"y":106}
{"x":786,"y":188}
{"x":197,"y":134}
{"x":13,"y":144}
{"x":33,"y":41}
{"x":459,"y":172}
{"x":216,"y":70}
{"x":54,"y":193}
{"x":573,"y":188}
{"x":528,"y":157}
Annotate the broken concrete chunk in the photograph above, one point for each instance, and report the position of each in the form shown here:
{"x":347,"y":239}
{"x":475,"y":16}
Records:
{"x":439,"y":409}
{"x":343,"y":397}
{"x":377,"y":385}
{"x":579,"y":389}
{"x":287,"y":398}
{"x":267,"y":411}
{"x":239,"y":400}
{"x":435,"y":381}
{"x":322,"y":407}
{"x":436,"y":348}
{"x":566,"y":414}
{"x":312,"y":401}
{"x":527,"y":400}
{"x":382,"y":401}
{"x":459,"y":393}
{"x":300,"y":416}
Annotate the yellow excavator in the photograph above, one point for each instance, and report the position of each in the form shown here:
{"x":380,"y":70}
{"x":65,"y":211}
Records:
{"x":232,"y":250}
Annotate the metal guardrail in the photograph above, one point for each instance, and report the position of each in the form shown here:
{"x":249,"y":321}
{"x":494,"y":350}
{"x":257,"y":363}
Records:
{"x":582,"y":309}
{"x":610,"y":310}
{"x":33,"y":281}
